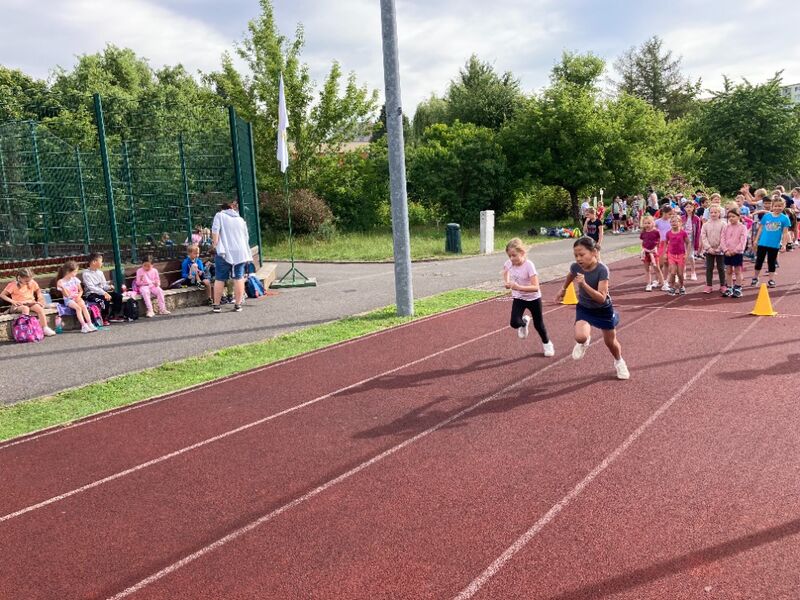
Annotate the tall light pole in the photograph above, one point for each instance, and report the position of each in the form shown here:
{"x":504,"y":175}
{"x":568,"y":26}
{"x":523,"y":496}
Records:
{"x":397,"y":162}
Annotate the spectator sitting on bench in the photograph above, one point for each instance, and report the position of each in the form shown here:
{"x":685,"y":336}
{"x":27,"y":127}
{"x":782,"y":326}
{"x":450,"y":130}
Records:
{"x":193,"y":271}
{"x":25,"y":296}
{"x":70,"y":287}
{"x":148,"y":282}
{"x":100,"y":291}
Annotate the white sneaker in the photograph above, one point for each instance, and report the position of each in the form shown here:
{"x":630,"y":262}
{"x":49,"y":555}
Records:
{"x":522,"y":332}
{"x":693,"y":277}
{"x":665,"y":287}
{"x":85,"y":328}
{"x":648,"y":287}
{"x":150,"y":314}
{"x":549,"y":349}
{"x":580,"y":349}
{"x":91,"y":327}
{"x":655,"y":284}
{"x":48,"y":332}
{"x":622,"y":369}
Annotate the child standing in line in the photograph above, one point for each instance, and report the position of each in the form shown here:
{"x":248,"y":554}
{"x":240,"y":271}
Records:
{"x":593,"y":226}
{"x":770,"y":240}
{"x":711,"y":242}
{"x":677,"y":250}
{"x":733,"y":243}
{"x":650,"y":238}
{"x":25,"y":296}
{"x":594,"y":308}
{"x":149,"y":282}
{"x":663,"y":226}
{"x":70,"y":287}
{"x":519,"y":276}
{"x":692,"y":224}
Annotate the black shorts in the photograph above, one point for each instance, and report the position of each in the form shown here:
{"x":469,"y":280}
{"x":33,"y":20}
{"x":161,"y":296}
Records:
{"x":616,"y":216}
{"x":737,"y":260}
{"x":771,"y":254}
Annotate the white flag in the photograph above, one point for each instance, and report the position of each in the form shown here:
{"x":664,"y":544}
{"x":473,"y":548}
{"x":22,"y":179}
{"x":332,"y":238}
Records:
{"x":283,"y":125}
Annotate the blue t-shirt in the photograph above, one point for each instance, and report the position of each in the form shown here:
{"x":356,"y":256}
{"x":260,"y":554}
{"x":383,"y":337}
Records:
{"x":187,"y":265}
{"x":772,"y":230}
{"x":593,"y":279}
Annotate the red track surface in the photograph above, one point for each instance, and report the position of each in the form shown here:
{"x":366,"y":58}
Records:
{"x":442,"y":457}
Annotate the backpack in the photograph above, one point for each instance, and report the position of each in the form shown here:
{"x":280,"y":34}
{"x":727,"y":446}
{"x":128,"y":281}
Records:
{"x":130,"y":309}
{"x":253,"y":287}
{"x":26,"y":328}
{"x":95,"y":313}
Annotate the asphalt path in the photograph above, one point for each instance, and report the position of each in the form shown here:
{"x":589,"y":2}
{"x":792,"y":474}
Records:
{"x":73,"y":359}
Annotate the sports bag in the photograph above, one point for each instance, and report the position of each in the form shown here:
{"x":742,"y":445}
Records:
{"x":26,"y":328}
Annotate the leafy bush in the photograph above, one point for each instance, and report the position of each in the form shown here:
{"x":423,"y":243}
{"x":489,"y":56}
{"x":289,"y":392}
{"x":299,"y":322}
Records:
{"x":310,"y":213}
{"x":418,"y":214}
{"x":543,"y":203}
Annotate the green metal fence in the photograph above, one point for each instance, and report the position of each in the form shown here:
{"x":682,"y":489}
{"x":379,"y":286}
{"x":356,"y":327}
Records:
{"x":142,"y":194}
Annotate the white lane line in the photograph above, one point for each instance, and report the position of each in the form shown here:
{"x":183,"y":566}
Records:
{"x":475,"y":586}
{"x":357,"y":469}
{"x":113,"y":412}
{"x":242,"y":428}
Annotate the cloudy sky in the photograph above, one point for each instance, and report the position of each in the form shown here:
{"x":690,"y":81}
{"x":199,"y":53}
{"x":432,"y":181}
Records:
{"x":739,"y":38}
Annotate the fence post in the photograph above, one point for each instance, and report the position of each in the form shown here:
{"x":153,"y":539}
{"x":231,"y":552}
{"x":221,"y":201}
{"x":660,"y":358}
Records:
{"x":82,"y":191}
{"x":119,"y":275}
{"x":255,"y":190}
{"x":40,"y":187}
{"x":237,"y":167}
{"x":186,"y":199}
{"x":126,"y":167}
{"x":3,"y":172}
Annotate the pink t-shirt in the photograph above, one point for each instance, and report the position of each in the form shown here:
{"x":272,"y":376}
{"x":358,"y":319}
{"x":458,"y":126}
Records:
{"x":650,"y":239}
{"x":663,"y":227}
{"x":676,"y":242}
{"x":521,"y":275}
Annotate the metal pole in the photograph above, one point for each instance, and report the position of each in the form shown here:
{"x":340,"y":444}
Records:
{"x":186,"y":199}
{"x":237,"y":167}
{"x":126,"y":166}
{"x":40,"y":186}
{"x":3,"y":172}
{"x":119,"y":275}
{"x":82,"y":191}
{"x":397,"y":162}
{"x":255,"y":190}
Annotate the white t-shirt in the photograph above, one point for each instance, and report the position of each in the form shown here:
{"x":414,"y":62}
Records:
{"x":234,"y":243}
{"x":521,"y":275}
{"x":584,"y":207}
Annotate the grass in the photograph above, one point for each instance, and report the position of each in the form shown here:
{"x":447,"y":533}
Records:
{"x":67,"y":406}
{"x":376,"y":245}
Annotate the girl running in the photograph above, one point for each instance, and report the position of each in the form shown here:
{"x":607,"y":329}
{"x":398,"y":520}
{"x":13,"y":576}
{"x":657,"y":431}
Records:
{"x":519,"y":276}
{"x":594,"y":308}
{"x":733,"y":243}
{"x":711,"y":241}
{"x":677,"y":250}
{"x":650,"y":238}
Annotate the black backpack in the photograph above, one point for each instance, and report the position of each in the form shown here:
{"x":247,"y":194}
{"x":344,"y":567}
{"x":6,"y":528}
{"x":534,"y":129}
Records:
{"x":130,"y":309}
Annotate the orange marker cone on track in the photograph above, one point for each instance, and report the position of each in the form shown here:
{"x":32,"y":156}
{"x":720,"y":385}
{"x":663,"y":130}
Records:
{"x":569,"y":296}
{"x":763,"y":307}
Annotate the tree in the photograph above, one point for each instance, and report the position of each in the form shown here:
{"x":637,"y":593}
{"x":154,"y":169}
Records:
{"x":581,"y":70}
{"x":751,"y":133}
{"x":481,"y":96}
{"x":460,"y":168}
{"x":379,"y":128}
{"x":22,"y":97}
{"x":429,"y":112}
{"x":652,"y":74}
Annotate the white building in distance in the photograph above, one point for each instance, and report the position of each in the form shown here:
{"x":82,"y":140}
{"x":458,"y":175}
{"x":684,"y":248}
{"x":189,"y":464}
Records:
{"x":792,"y":92}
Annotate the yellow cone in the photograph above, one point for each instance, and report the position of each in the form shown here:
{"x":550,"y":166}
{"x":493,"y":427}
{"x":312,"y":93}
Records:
{"x":569,"y":295}
{"x":763,"y":307}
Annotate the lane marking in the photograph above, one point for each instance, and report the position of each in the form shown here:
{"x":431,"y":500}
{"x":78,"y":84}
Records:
{"x":476,"y":584}
{"x":344,"y":476}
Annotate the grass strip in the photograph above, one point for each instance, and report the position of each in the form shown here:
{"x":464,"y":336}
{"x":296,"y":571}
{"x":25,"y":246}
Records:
{"x":67,"y":406}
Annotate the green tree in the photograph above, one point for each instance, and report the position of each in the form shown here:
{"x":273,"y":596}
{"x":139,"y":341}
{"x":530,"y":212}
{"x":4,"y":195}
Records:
{"x":22,"y":97}
{"x":651,"y":73}
{"x":482,"y":97}
{"x":581,"y":70}
{"x":751,"y":133}
{"x":429,"y":112}
{"x":460,"y":168}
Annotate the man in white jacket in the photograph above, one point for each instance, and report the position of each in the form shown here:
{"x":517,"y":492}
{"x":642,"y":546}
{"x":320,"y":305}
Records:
{"x":230,"y":240}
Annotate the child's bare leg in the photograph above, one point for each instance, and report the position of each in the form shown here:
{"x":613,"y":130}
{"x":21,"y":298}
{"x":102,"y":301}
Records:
{"x":78,"y":312}
{"x":582,"y":331}
{"x":613,"y":345}
{"x":680,"y":270}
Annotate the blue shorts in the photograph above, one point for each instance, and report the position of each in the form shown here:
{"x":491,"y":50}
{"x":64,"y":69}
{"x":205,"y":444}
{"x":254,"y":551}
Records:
{"x":223,"y":270}
{"x":601,"y":318}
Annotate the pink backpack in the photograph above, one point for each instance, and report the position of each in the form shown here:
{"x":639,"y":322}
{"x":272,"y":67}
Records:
{"x":27,"y":328}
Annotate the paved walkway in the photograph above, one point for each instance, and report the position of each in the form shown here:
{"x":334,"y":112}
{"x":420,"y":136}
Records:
{"x":73,"y":359}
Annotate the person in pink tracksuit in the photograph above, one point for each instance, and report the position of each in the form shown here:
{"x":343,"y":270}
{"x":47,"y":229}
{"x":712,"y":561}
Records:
{"x":149,"y":283}
{"x":732,"y":243}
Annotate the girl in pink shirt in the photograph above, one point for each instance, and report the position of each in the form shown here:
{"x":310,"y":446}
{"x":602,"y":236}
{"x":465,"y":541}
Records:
{"x":148,"y":282}
{"x":677,"y":249}
{"x":519,"y":276}
{"x":733,"y":243}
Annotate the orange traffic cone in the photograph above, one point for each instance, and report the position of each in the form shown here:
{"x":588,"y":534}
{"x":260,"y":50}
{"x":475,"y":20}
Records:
{"x":569,"y":296}
{"x":763,"y":307}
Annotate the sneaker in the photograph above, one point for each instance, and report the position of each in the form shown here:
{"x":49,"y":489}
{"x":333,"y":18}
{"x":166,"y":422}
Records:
{"x":771,"y":283}
{"x":723,"y":289}
{"x":48,"y":332}
{"x":728,"y":293}
{"x":237,"y":308}
{"x":522,"y":332}
{"x":622,"y":369}
{"x":106,"y":323}
{"x":655,"y":284}
{"x":91,"y":327}
{"x":150,"y":314}
{"x":707,"y":289}
{"x":754,"y":281}
{"x":209,"y":302}
{"x":215,"y":308}
{"x":737,"y":291}
{"x":164,"y":312}
{"x":580,"y":349}
{"x":665,"y":287}
{"x":648,"y":287}
{"x":682,"y":291}
{"x":85,"y":329}
{"x":693,"y":277}
{"x":117,"y":319}
{"x":548,"y":349}
{"x":671,"y":291}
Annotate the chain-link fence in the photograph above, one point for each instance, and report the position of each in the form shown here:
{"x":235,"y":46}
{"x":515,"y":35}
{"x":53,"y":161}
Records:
{"x":147,"y":192}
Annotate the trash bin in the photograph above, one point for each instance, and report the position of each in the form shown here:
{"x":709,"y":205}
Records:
{"x":453,"y":238}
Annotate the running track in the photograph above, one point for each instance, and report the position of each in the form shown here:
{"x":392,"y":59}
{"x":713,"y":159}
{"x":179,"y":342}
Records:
{"x":441,"y":459}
